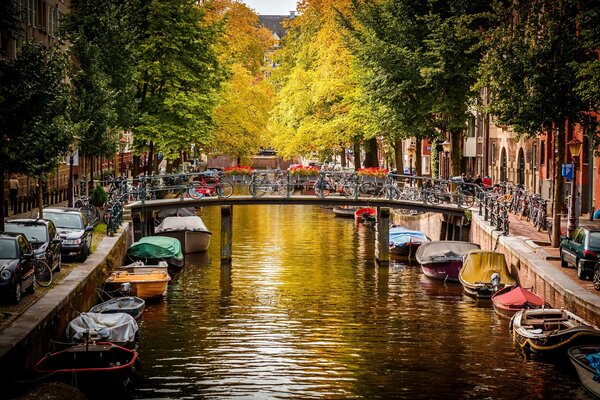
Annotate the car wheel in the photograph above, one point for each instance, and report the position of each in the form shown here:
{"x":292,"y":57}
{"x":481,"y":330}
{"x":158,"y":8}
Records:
{"x":563,"y":263}
{"x":597,"y":279}
{"x":580,"y":272}
{"x":85,"y":252}
{"x":16,"y":293}
{"x":31,"y":289}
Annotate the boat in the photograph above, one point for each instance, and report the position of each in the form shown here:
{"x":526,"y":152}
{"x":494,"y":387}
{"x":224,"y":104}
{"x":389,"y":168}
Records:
{"x":131,"y":305}
{"x":146,"y":285}
{"x":139,"y":267}
{"x":586,"y":360}
{"x":157,"y":248}
{"x":404,"y":242}
{"x":365,"y":214}
{"x":190,"y":231}
{"x":483,"y":273}
{"x":118,"y":328}
{"x":95,"y":368}
{"x":174,"y":212}
{"x":443,"y":259}
{"x":548,"y":330}
{"x":510,"y":299}
{"x":344,"y":211}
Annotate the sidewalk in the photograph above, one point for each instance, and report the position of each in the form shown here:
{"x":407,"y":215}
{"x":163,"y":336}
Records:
{"x":539,"y":242}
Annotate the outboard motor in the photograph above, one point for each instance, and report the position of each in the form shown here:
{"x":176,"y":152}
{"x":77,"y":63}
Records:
{"x":495,"y":281}
{"x":125,"y":288}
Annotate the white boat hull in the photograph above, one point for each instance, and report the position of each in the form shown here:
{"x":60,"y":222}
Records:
{"x":191,"y":241}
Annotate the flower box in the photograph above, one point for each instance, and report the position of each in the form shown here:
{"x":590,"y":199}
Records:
{"x":238,"y":170}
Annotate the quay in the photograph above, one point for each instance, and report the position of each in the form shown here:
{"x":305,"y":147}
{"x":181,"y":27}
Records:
{"x":28,"y":336}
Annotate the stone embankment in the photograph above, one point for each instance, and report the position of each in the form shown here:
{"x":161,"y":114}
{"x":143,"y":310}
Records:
{"x":30,"y":336}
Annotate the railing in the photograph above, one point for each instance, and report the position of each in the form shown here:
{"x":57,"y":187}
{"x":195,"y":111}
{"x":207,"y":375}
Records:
{"x":495,"y":211}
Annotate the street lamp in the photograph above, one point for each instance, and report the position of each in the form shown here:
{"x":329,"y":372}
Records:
{"x":122,"y":144}
{"x":447,"y":146}
{"x":411,"y":153}
{"x":575,"y":150}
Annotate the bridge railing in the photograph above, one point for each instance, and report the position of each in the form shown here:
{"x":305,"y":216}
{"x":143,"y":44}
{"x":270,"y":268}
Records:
{"x":425,"y":189}
{"x":495,"y":210}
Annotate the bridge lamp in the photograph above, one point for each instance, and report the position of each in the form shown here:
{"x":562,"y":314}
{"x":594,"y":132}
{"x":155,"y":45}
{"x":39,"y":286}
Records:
{"x":411,"y":150}
{"x":447,"y":146}
{"x":575,"y":150}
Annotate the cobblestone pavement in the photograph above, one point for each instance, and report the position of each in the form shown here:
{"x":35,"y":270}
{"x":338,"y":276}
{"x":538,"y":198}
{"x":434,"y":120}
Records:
{"x":10,"y":312}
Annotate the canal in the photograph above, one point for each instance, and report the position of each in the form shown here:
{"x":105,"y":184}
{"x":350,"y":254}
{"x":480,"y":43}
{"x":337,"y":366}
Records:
{"x":304,"y":312}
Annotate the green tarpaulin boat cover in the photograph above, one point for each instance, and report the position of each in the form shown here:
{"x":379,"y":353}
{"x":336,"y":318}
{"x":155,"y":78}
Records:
{"x":156,"y":247}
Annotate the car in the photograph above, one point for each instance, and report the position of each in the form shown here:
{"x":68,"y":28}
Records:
{"x":74,"y":230}
{"x":581,"y":250}
{"x":42,"y":236}
{"x":17,"y":267}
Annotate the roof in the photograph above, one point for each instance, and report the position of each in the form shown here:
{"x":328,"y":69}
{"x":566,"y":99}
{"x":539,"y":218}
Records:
{"x":273,"y":23}
{"x":28,"y":221}
{"x":63,"y":209}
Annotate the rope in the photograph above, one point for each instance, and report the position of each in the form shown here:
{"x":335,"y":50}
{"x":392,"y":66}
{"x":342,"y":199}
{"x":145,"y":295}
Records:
{"x":497,"y":242}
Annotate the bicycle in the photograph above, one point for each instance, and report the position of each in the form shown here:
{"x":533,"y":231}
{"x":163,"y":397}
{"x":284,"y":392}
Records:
{"x":388,"y":190}
{"x":83,"y":203}
{"x":209,"y":185}
{"x":259,"y":187}
{"x":549,"y":224}
{"x":43,"y":273}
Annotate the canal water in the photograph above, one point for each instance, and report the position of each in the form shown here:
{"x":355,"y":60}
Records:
{"x":304,"y":312}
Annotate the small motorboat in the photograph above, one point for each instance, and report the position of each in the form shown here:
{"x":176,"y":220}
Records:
{"x":118,"y":328}
{"x":344,"y":211}
{"x":139,"y":267}
{"x":95,"y":368}
{"x":131,"y":305}
{"x":510,"y":299}
{"x":190,"y":231}
{"x":365,"y":214}
{"x":152,"y":249}
{"x":404,"y":242}
{"x":147,"y":285}
{"x":443,"y":259}
{"x":586,"y":360}
{"x":548,"y":330}
{"x":174,"y":212}
{"x":483,"y":273}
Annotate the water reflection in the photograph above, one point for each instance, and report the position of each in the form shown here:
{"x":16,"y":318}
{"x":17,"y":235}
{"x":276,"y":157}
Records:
{"x":304,"y":312}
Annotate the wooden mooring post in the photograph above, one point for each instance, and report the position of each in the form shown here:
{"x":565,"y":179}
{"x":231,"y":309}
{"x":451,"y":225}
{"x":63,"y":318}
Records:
{"x":226,"y":234}
{"x":382,"y":236}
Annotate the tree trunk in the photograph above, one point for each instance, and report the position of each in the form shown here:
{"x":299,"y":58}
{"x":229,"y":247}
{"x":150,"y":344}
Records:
{"x":343,"y":158}
{"x":40,"y":197}
{"x":357,"y":162}
{"x":559,"y":156}
{"x":399,"y":156}
{"x":371,"y":154}
{"x":136,"y":166}
{"x":90,"y":186}
{"x":418,"y":157}
{"x":456,"y":139}
{"x":71,"y":188}
{"x":149,"y":168}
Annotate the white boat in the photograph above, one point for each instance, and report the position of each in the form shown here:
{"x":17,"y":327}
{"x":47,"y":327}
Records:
{"x":139,"y":267}
{"x":190,"y":231}
{"x":580,"y":357}
{"x":119,"y":328}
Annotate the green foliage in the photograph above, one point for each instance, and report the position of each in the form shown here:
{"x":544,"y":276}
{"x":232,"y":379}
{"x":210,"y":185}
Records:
{"x":33,"y":98}
{"x":99,"y":196}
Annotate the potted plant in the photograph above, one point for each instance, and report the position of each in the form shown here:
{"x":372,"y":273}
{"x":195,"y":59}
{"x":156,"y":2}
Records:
{"x":239,"y":173}
{"x":372,"y":174}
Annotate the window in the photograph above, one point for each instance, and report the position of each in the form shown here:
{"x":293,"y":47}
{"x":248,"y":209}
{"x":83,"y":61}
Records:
{"x":594,"y":239}
{"x":542,"y":152}
{"x":23,"y":245}
{"x":472,"y":126}
{"x":31,"y":12}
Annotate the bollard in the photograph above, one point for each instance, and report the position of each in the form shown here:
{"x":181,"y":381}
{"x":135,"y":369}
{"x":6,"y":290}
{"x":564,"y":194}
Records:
{"x":288,"y":191}
{"x":355,"y":179}
{"x":226,"y":234}
{"x":382,"y":237}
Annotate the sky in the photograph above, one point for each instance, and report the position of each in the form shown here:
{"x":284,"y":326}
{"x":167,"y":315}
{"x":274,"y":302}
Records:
{"x":271,"y":7}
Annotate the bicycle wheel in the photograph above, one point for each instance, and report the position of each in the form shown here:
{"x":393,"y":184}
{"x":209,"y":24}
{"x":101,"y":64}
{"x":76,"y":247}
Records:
{"x":434,"y":196}
{"x":322,"y":188}
{"x":224,"y":189}
{"x":92,"y":211}
{"x":43,"y":273}
{"x":282,"y":188}
{"x":196,"y":190}
{"x":349,"y":189}
{"x":468,"y":199}
{"x":367,"y":189}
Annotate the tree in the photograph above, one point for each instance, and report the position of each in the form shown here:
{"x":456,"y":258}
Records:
{"x":33,"y":98}
{"x":318,"y":99}
{"x":531,"y":69}
{"x":180,"y":76}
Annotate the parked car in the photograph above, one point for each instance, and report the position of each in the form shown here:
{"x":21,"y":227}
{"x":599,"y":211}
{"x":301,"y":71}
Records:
{"x":16,"y":267}
{"x":74,"y":230}
{"x":42,"y":236}
{"x":581,"y":250}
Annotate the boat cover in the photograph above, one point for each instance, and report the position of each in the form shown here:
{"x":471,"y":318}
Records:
{"x":400,"y":236}
{"x":176,"y":212}
{"x":443,"y":251}
{"x":479,"y":265}
{"x":156,"y":247}
{"x":117,"y":327}
{"x":594,"y":362}
{"x":520,"y":297}
{"x":192,"y":223}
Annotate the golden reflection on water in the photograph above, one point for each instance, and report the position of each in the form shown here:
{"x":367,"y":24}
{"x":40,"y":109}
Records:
{"x":304,"y":312}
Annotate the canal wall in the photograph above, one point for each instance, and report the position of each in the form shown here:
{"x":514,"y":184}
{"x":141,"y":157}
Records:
{"x":30,"y":337}
{"x":528,"y":262}
{"x":436,"y":226}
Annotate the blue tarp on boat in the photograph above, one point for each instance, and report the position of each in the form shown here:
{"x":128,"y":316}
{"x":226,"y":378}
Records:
{"x":594,"y":362}
{"x":399,"y":236}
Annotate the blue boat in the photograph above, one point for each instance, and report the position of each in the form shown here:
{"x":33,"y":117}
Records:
{"x":405,"y":242}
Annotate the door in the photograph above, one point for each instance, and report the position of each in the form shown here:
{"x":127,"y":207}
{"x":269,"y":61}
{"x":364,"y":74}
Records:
{"x":521,"y":168}
{"x":503,"y":165}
